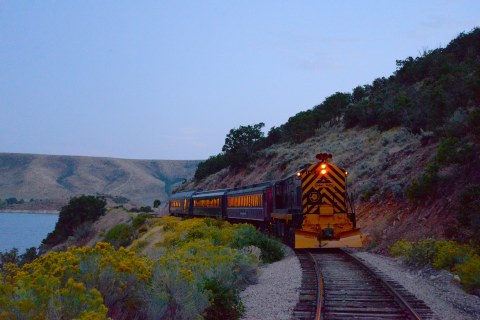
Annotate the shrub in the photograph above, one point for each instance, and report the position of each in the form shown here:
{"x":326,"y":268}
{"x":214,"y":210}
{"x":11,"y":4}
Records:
{"x":401,"y":248}
{"x":208,"y":260}
{"x":226,"y":303}
{"x":420,"y":253}
{"x":442,"y":254}
{"x":146,"y":209}
{"x":195,"y":263}
{"x":368,"y":189}
{"x":446,"y":151}
{"x":450,"y":253}
{"x":210,"y":166}
{"x":121,"y":235}
{"x":425,"y":185}
{"x":139,"y":220}
{"x":81,"y":283}
{"x":469,"y":273}
{"x":246,"y":235}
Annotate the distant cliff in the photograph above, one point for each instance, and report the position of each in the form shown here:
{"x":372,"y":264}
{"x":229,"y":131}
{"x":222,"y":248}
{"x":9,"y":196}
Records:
{"x":29,"y":176}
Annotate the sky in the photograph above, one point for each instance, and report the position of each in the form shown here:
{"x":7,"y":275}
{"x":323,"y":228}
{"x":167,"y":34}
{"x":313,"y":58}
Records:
{"x":169,"y":79}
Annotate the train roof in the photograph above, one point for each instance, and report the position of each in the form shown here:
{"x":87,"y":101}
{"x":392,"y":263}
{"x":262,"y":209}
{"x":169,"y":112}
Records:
{"x":185,"y":194}
{"x":210,"y":193}
{"x":252,"y":188}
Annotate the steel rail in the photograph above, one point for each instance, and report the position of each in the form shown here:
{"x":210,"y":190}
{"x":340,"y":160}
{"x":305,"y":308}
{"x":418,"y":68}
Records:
{"x":397,"y":297}
{"x":318,"y":314}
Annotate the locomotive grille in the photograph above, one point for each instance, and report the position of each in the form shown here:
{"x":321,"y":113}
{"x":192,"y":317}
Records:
{"x":327,"y":188}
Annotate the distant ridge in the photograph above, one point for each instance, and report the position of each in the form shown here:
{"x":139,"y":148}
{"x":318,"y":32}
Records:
{"x":32,"y":176}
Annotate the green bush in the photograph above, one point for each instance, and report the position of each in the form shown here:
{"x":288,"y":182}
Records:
{"x":225,"y":301}
{"x":121,"y":235}
{"x":139,"y":220}
{"x":422,"y":253}
{"x":210,"y":166}
{"x":469,"y":273}
{"x":451,"y":253}
{"x":446,"y":151}
{"x":401,"y":248}
{"x":247,"y":235}
{"x":425,"y":185}
{"x":419,"y":253}
{"x":459,"y":258}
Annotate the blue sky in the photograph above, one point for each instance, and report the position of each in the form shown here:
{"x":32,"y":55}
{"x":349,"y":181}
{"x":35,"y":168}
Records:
{"x":169,"y":79}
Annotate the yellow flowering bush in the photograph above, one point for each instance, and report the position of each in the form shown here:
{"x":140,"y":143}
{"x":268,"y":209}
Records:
{"x":451,"y":253}
{"x":81,"y":283}
{"x":469,"y":273}
{"x":401,"y":248}
{"x":207,"y":261}
{"x":442,"y":254}
{"x":202,"y":266}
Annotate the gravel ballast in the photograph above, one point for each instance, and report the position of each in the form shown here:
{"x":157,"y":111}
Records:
{"x":277,"y":291}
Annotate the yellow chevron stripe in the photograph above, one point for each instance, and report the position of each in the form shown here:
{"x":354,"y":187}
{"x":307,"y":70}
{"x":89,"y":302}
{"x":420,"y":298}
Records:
{"x":333,"y":199}
{"x":333,"y":195}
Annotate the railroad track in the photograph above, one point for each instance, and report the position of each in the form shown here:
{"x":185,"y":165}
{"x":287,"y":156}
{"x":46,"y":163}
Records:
{"x":336,"y":285}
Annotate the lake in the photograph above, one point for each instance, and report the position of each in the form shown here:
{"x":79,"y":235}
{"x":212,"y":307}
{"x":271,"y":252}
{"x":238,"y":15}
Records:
{"x":24,"y":230}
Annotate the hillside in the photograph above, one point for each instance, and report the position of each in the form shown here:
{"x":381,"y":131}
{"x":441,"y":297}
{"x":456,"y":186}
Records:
{"x":409,"y":141}
{"x":46,"y":177}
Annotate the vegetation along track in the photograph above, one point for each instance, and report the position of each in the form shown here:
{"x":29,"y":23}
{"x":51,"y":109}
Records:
{"x":337,"y":285}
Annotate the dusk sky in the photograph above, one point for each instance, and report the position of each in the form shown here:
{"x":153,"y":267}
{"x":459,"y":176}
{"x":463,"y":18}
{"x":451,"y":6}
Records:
{"x":169,"y":79}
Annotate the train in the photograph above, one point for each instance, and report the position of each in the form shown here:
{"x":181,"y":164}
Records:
{"x":310,"y":208}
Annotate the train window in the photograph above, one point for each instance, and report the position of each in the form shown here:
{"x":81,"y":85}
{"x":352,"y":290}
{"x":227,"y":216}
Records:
{"x":206,"y":203}
{"x":245,"y":201}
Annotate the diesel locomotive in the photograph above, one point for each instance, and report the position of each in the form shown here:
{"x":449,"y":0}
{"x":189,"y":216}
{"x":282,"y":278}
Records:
{"x":308,"y":209}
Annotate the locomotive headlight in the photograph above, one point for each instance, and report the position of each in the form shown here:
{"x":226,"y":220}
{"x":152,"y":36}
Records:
{"x":323,"y":166}
{"x":299,"y":174}
{"x":346,"y":173}
{"x":323,"y":171}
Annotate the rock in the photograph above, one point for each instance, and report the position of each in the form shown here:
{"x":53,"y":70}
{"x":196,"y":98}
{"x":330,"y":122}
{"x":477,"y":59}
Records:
{"x":456,"y":278}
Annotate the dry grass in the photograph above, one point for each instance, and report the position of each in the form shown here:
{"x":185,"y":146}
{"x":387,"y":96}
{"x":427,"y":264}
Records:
{"x":112,"y":218}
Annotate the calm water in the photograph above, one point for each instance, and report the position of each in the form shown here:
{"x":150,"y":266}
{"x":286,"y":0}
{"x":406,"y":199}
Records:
{"x":24,"y":230}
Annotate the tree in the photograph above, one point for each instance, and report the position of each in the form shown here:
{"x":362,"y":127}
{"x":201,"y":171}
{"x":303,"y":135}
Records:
{"x":210,"y":166}
{"x":29,"y":255}
{"x":78,"y":211}
{"x":240,"y":143}
{"x":156,"y":203}
{"x":8,"y":257}
{"x":243,"y":138}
